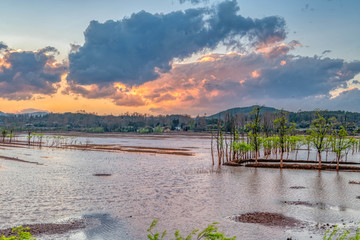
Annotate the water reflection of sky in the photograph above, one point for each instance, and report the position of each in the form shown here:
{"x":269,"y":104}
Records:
{"x":182,"y":192}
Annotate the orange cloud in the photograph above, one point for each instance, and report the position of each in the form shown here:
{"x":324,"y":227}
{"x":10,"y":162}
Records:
{"x":255,"y":74}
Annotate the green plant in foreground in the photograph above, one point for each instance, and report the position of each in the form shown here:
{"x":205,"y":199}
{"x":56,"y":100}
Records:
{"x":209,"y":233}
{"x":337,"y":233}
{"x":21,"y":234}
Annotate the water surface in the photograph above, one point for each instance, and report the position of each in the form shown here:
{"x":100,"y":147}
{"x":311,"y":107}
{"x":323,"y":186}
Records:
{"x":183,"y":192}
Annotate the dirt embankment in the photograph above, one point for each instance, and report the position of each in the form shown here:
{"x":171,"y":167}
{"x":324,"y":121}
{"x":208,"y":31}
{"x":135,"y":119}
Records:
{"x":48,"y":228}
{"x":296,"y":164}
{"x":186,"y":151}
{"x":268,"y":219}
{"x":135,"y":149}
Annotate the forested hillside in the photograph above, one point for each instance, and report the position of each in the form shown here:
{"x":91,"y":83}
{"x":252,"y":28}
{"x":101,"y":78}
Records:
{"x":86,"y":122}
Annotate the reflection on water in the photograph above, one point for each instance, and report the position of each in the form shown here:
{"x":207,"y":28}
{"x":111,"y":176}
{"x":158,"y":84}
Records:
{"x":183,"y":192}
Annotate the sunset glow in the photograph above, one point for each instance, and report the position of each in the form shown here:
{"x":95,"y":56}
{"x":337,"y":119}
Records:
{"x":193,"y":65}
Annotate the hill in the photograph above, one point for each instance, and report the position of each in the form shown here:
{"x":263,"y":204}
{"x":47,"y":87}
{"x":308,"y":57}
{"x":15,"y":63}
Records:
{"x":244,"y":110}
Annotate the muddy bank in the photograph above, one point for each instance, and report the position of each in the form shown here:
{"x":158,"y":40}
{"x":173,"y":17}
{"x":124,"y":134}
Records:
{"x":292,"y":164}
{"x":268,"y":219}
{"x":48,"y":228}
{"x":18,"y":160}
{"x":107,"y":148}
{"x":102,"y":174}
{"x":271,"y":160}
{"x":153,"y":135}
{"x":134,"y":149}
{"x":306,"y":167}
{"x":354,"y":182}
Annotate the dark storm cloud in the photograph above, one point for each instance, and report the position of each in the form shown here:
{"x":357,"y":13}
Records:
{"x":135,"y":50}
{"x":121,"y":98}
{"x":265,"y":78}
{"x":26,"y":73}
{"x":3,"y":46}
{"x":302,"y":76}
{"x":74,"y":47}
{"x":95,"y":92}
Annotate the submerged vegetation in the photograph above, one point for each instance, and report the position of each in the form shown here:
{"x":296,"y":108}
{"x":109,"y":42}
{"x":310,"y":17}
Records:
{"x":271,"y":136}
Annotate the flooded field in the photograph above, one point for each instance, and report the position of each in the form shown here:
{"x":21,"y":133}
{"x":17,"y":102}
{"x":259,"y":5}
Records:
{"x":119,"y":193}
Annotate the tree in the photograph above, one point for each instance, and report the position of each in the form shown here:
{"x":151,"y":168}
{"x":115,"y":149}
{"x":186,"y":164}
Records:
{"x":282,"y":129}
{"x":319,"y":130}
{"x":340,"y":144}
{"x":3,"y":134}
{"x":254,"y":131}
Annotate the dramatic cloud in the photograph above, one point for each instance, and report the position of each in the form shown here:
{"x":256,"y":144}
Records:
{"x":140,"y":48}
{"x":25,"y":73}
{"x":120,"y":96}
{"x":348,"y":101}
{"x":269,"y":76}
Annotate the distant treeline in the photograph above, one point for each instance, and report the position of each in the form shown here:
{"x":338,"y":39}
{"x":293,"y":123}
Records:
{"x":86,"y":122}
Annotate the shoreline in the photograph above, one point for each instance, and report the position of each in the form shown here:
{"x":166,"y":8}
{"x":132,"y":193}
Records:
{"x":48,"y":228}
{"x":295,"y":164}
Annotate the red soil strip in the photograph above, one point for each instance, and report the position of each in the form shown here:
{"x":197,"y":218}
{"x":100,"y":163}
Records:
{"x":268,"y":219}
{"x":354,"y":182}
{"x":136,"y":149}
{"x":19,"y":160}
{"x":48,"y":228}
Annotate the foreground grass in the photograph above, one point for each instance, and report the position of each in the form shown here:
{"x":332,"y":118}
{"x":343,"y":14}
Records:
{"x":21,"y":234}
{"x":338,"y":233}
{"x":209,"y":233}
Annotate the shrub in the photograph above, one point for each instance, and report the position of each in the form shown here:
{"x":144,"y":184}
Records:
{"x":209,"y":233}
{"x":21,"y":234}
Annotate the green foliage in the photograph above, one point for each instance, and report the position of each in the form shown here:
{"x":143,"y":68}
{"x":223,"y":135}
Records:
{"x":95,"y":130}
{"x":209,"y":233}
{"x":158,"y":129}
{"x":21,"y":234}
{"x":340,"y":142}
{"x":241,"y":147}
{"x":341,"y":234}
{"x":254,"y":130}
{"x":319,"y":130}
{"x":282,"y":129}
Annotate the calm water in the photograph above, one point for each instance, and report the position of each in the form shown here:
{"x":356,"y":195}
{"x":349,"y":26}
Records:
{"x":182,"y":192}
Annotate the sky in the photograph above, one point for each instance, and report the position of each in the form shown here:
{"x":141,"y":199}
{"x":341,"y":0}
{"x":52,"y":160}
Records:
{"x":192,"y":57}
